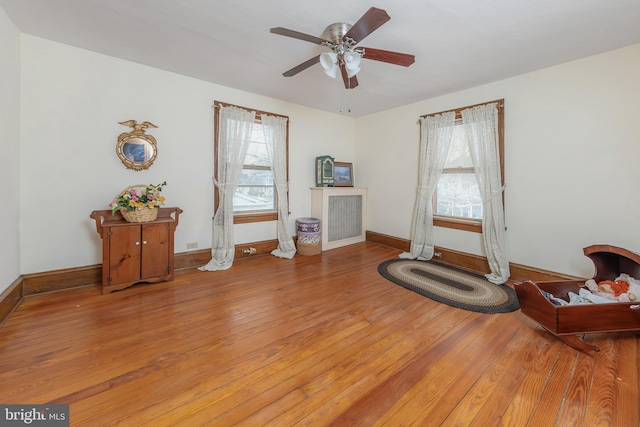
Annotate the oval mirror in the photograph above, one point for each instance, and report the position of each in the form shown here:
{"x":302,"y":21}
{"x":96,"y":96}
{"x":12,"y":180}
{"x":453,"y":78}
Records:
{"x":136,"y":149}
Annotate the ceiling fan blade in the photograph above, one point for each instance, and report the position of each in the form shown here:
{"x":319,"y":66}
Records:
{"x":295,"y":70}
{"x":367,"y":24}
{"x":297,"y":35}
{"x":349,"y":83}
{"x":396,"y":58}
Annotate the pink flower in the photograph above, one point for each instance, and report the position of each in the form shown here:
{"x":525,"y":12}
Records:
{"x":133,"y":191}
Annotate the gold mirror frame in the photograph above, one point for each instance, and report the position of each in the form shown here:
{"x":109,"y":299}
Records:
{"x":136,"y":149}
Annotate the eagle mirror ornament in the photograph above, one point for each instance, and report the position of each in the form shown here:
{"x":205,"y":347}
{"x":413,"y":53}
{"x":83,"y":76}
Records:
{"x":136,"y":149}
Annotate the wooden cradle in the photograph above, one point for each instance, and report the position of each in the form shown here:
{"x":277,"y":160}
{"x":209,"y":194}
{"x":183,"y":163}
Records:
{"x":565,"y":322}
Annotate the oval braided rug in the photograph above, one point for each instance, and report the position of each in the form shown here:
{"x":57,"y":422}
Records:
{"x":451,"y":286}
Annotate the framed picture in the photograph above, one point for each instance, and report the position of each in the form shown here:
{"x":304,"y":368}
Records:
{"x":342,"y":174}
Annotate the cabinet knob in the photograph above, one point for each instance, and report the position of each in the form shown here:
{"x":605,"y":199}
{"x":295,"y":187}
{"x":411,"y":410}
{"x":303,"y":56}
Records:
{"x":137,"y":243}
{"x":144,"y":242}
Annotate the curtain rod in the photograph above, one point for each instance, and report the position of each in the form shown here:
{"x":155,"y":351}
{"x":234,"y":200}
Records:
{"x":499,"y":104}
{"x":217,"y":104}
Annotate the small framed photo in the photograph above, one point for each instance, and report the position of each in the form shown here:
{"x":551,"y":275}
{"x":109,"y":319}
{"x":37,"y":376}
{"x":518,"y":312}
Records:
{"x":342,"y":174}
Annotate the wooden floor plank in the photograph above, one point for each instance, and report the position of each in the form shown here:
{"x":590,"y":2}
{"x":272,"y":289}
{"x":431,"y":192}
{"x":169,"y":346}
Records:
{"x":528,"y":393}
{"x":441,"y":390}
{"x":553,"y":391}
{"x":627,"y":381}
{"x":252,"y":356}
{"x":316,"y":340}
{"x":379,"y":399}
{"x":602,"y":389}
{"x":576,"y":398}
{"x":355,"y":368}
{"x":488,"y":394}
{"x":280,"y":377}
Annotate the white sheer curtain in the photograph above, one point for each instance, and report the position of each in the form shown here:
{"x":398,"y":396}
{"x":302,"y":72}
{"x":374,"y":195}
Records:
{"x":234,"y":136}
{"x":275,"y":134}
{"x":436,"y":134}
{"x":481,"y":127}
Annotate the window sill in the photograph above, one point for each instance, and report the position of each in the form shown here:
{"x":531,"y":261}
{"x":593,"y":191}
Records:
{"x":245,"y":218}
{"x":472,"y":225}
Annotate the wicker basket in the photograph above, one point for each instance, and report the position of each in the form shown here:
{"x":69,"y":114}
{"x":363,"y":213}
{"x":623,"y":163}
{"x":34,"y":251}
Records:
{"x":145,"y":214}
{"x":310,"y":249}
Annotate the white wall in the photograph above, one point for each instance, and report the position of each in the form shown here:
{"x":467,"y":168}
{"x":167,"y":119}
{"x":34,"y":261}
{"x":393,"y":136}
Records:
{"x":72,"y":102}
{"x":572,"y":161}
{"x":10,"y":151}
{"x":571,"y":154}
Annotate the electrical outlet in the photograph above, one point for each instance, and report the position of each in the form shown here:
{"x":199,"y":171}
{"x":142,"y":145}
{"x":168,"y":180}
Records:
{"x":192,"y":245}
{"x":249,"y":251}
{"x":437,"y":255}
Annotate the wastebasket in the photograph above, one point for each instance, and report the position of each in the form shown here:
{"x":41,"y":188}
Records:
{"x":309,"y":236}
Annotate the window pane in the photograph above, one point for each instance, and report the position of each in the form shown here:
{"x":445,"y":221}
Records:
{"x":255,"y":191}
{"x":459,"y":156}
{"x":257,"y":153}
{"x":457,"y":194}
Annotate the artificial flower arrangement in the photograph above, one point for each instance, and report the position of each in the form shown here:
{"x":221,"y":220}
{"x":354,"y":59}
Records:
{"x":138,"y":197}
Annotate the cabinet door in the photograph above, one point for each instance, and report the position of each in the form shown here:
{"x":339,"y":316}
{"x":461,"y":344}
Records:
{"x":124,"y":254}
{"x":155,"y":250}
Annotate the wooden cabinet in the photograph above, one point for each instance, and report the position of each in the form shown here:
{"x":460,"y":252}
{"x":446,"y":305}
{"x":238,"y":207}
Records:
{"x":136,"y":252}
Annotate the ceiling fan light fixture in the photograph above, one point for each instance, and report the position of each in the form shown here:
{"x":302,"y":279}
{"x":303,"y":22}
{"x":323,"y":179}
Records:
{"x":328,"y":61}
{"x":353,"y":72}
{"x":352,"y":63}
{"x":352,"y":59}
{"x":342,"y":40}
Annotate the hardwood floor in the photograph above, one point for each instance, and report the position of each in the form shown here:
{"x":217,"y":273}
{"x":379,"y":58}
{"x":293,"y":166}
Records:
{"x":318,"y":341}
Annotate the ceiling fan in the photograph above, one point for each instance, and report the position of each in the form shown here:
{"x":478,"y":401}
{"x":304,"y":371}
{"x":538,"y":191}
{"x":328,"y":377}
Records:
{"x":342,"y":39}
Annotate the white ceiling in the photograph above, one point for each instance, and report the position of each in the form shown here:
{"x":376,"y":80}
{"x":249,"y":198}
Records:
{"x":457,"y":43}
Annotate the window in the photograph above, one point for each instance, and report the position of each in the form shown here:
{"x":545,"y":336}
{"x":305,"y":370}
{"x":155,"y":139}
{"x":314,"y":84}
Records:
{"x":457,"y":193}
{"x":255,"y":196}
{"x":255,"y":190}
{"x":457,"y":202}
